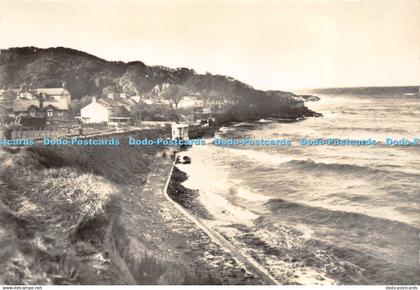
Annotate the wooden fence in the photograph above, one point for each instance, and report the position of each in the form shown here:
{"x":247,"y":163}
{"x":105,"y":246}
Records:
{"x":58,"y":131}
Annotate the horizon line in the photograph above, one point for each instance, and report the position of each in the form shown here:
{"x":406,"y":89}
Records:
{"x":195,"y":70}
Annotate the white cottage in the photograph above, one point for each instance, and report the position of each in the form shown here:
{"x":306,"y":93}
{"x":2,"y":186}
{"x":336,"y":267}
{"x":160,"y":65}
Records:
{"x":113,"y":112}
{"x":95,"y":113}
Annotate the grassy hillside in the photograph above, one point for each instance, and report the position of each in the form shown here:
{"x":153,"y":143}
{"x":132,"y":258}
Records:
{"x":85,"y":74}
{"x":71,"y":215}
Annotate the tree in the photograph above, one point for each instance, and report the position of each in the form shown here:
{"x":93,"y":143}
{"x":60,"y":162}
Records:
{"x":109,"y":90}
{"x":76,"y":105}
{"x":174,"y":94}
{"x":128,"y":86}
{"x":154,"y":113}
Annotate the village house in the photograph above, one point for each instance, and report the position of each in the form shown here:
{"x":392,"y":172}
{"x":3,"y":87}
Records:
{"x":95,"y":112}
{"x":136,"y":99}
{"x":49,"y":104}
{"x":131,"y":100}
{"x":155,"y":101}
{"x":123,"y":101}
{"x":189,"y":102}
{"x":54,"y":111}
{"x":44,"y":93}
{"x":106,"y":110}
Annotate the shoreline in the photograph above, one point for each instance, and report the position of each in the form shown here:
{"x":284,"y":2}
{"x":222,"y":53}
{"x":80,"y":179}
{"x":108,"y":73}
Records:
{"x":255,"y":263}
{"x":237,"y":224}
{"x":259,"y":273}
{"x":254,"y":237}
{"x":250,"y":271}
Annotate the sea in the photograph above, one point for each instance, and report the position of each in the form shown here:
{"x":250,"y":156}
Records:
{"x":320,"y":214}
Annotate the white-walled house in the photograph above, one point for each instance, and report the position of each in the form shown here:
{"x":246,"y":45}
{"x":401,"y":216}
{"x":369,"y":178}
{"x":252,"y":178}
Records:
{"x":106,"y":110}
{"x":190,"y":102}
{"x":95,"y":112}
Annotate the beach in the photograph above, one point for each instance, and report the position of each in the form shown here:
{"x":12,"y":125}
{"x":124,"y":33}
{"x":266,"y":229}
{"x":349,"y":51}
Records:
{"x":318,"y":215}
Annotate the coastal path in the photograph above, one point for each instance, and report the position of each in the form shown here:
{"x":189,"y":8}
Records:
{"x":158,"y":182}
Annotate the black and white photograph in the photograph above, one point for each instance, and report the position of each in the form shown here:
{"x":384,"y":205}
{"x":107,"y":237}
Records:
{"x":209,"y":142}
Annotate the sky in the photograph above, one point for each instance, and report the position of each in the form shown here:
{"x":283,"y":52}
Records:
{"x":269,"y":44}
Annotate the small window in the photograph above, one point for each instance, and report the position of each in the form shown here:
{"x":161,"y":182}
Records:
{"x":49,"y":113}
{"x":60,"y":114}
{"x":32,"y":112}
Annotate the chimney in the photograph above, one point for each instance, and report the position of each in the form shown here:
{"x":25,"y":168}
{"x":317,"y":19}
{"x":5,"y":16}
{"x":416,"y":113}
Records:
{"x":23,"y":88}
{"x":93,"y":99}
{"x":111,"y":96}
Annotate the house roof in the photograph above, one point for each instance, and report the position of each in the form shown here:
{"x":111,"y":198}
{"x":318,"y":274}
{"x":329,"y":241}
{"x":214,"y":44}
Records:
{"x":129,"y":102}
{"x":122,"y":113}
{"x":58,"y":104}
{"x":24,"y":105}
{"x":47,"y":91}
{"x":113,"y":105}
{"x":112,"y":102}
{"x":52,"y":91}
{"x":105,"y":104}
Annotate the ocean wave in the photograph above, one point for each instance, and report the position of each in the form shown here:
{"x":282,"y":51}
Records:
{"x":304,"y":164}
{"x":245,"y":124}
{"x":310,"y":165}
{"x":260,"y":156}
{"x":364,"y":129}
{"x":265,"y":121}
{"x":340,"y":218}
{"x":347,"y":245}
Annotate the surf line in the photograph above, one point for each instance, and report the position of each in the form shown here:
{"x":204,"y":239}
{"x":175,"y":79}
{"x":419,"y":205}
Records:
{"x":218,"y":239}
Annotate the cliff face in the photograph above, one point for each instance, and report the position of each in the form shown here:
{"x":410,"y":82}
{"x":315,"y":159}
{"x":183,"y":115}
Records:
{"x":84,"y":74}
